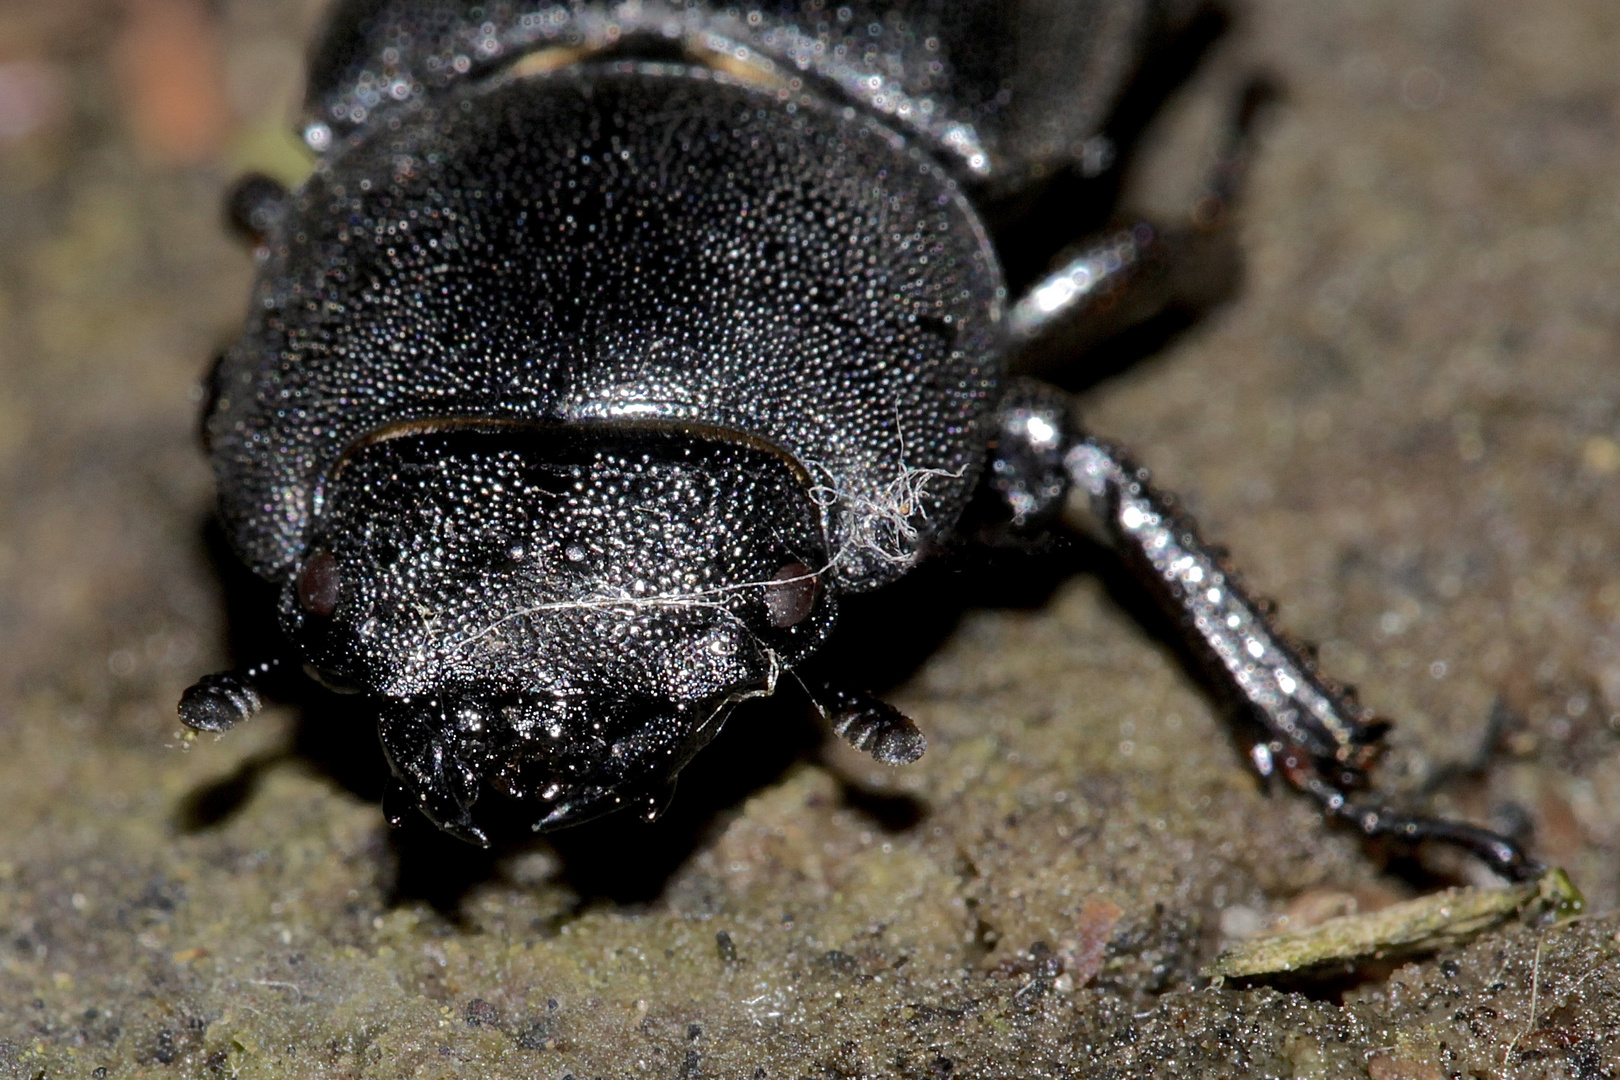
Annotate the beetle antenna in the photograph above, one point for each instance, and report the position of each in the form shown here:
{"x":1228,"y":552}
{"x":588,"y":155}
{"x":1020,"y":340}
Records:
{"x":868,"y":723}
{"x":220,"y":701}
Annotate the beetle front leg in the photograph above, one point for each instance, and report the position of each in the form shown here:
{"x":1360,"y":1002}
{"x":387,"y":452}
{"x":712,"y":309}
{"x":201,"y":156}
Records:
{"x":1316,"y":736}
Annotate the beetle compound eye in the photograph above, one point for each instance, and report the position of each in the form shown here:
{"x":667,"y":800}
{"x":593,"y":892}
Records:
{"x":318,"y":584}
{"x":790,"y":596}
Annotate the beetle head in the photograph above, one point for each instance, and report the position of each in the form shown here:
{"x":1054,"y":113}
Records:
{"x":566,"y":613}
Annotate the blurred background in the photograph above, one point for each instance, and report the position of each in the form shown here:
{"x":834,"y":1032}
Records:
{"x":121,"y":124}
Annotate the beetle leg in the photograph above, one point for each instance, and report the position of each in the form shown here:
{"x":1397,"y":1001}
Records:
{"x":1097,"y":287}
{"x":1502,"y":855}
{"x":1317,"y":736}
{"x":1313,"y":726}
{"x":1111,"y":281}
{"x":868,"y":723}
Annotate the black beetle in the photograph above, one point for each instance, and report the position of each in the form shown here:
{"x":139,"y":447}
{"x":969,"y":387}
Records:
{"x":610,"y":344}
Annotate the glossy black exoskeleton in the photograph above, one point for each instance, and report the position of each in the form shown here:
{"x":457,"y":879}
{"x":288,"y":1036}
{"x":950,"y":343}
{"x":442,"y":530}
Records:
{"x":609,"y":345}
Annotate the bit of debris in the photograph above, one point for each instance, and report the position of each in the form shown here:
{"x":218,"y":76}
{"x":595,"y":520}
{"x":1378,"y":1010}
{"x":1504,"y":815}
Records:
{"x":1422,"y":925}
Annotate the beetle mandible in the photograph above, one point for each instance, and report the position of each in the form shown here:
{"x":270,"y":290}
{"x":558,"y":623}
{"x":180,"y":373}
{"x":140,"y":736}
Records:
{"x":610,"y":344}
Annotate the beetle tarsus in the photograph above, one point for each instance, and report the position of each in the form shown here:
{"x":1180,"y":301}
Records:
{"x":1503,"y":855}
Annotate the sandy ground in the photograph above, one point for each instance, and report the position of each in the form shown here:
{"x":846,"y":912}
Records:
{"x":1406,"y":426}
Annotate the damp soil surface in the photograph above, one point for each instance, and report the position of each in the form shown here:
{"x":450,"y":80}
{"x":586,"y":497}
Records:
{"x":1405,"y":424}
